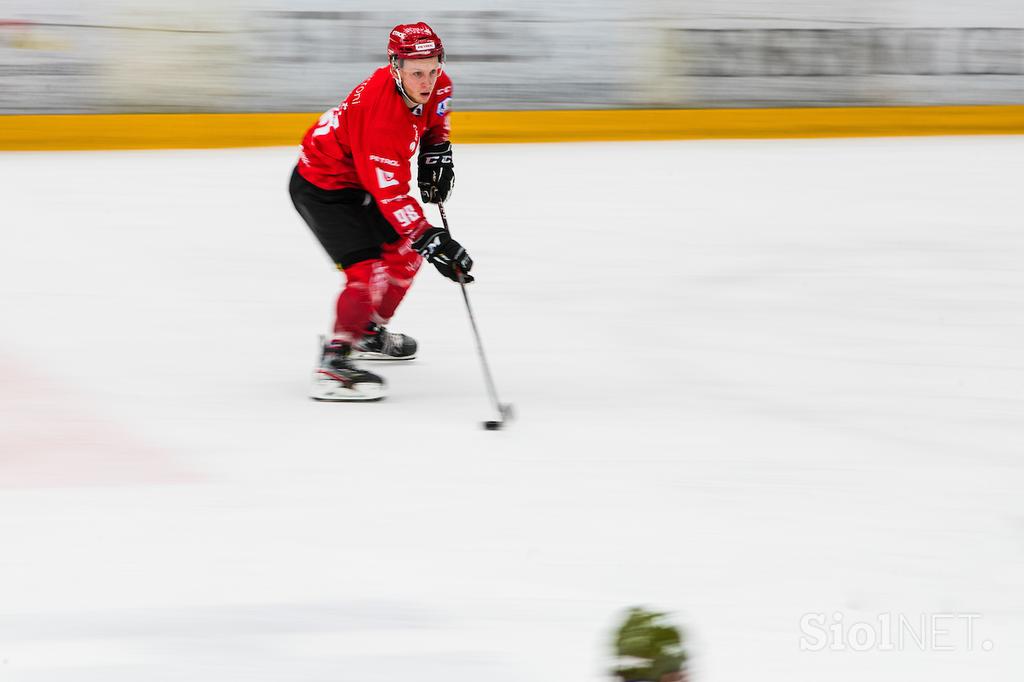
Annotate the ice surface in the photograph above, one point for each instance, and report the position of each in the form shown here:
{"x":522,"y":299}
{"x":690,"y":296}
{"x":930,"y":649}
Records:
{"x":755,"y":380}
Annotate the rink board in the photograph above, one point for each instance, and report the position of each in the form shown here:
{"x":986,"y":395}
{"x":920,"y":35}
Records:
{"x":196,"y":131}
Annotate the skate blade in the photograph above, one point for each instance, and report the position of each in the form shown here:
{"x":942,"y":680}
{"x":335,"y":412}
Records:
{"x":329,"y":390}
{"x":374,"y":357}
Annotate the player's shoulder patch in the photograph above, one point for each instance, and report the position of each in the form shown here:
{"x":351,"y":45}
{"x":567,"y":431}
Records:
{"x":444,"y":106}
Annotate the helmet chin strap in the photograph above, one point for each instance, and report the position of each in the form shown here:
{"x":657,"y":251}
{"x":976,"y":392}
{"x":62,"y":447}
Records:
{"x":409,"y":101}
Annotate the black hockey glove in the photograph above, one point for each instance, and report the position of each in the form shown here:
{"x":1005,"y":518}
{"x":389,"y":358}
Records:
{"x":446,"y":254}
{"x":436,"y":176}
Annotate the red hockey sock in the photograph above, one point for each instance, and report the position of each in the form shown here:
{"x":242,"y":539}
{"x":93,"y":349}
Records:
{"x":355,"y":304}
{"x":400,"y":266}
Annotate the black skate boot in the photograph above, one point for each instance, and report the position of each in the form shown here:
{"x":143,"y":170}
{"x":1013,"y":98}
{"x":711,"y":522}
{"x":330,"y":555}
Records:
{"x":380,"y":344}
{"x":336,"y":379}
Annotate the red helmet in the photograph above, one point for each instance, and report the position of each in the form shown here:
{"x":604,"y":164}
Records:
{"x":414,"y":41}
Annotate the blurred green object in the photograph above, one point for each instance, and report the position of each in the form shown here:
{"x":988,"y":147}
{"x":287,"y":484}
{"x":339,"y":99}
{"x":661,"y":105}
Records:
{"x":649,"y":648}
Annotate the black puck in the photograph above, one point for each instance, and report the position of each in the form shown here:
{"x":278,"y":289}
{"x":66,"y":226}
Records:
{"x":492,"y":425}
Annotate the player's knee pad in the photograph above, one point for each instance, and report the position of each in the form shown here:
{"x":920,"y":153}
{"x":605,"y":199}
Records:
{"x":400,"y":262}
{"x":359,"y":275}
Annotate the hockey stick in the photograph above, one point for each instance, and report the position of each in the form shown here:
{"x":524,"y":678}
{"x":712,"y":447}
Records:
{"x":504,"y":409}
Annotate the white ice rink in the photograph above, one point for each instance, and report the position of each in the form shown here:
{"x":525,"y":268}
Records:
{"x":756,"y":381}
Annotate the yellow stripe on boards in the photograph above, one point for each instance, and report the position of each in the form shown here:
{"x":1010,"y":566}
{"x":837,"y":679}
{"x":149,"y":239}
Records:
{"x":152,"y":131}
{"x":687,"y":124}
{"x":197,"y":131}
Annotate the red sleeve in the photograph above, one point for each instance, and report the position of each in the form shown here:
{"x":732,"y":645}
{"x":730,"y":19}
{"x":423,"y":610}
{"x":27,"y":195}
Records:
{"x":438,"y":125}
{"x":381,"y":156}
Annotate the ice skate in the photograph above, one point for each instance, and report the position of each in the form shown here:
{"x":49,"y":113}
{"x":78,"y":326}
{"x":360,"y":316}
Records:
{"x":380,"y":344}
{"x":336,"y":379}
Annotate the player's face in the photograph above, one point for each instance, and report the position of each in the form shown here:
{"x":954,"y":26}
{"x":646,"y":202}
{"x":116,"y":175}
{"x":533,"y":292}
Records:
{"x":418,"y":78}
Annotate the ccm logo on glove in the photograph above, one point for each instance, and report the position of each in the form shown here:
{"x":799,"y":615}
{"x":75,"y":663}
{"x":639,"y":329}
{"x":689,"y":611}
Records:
{"x":446,"y":254}
{"x":436,"y":176}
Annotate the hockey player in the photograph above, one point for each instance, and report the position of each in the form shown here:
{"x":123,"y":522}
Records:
{"x":351,"y":186}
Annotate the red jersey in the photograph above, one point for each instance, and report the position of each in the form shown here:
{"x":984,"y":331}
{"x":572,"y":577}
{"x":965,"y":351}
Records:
{"x":367,"y":142}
